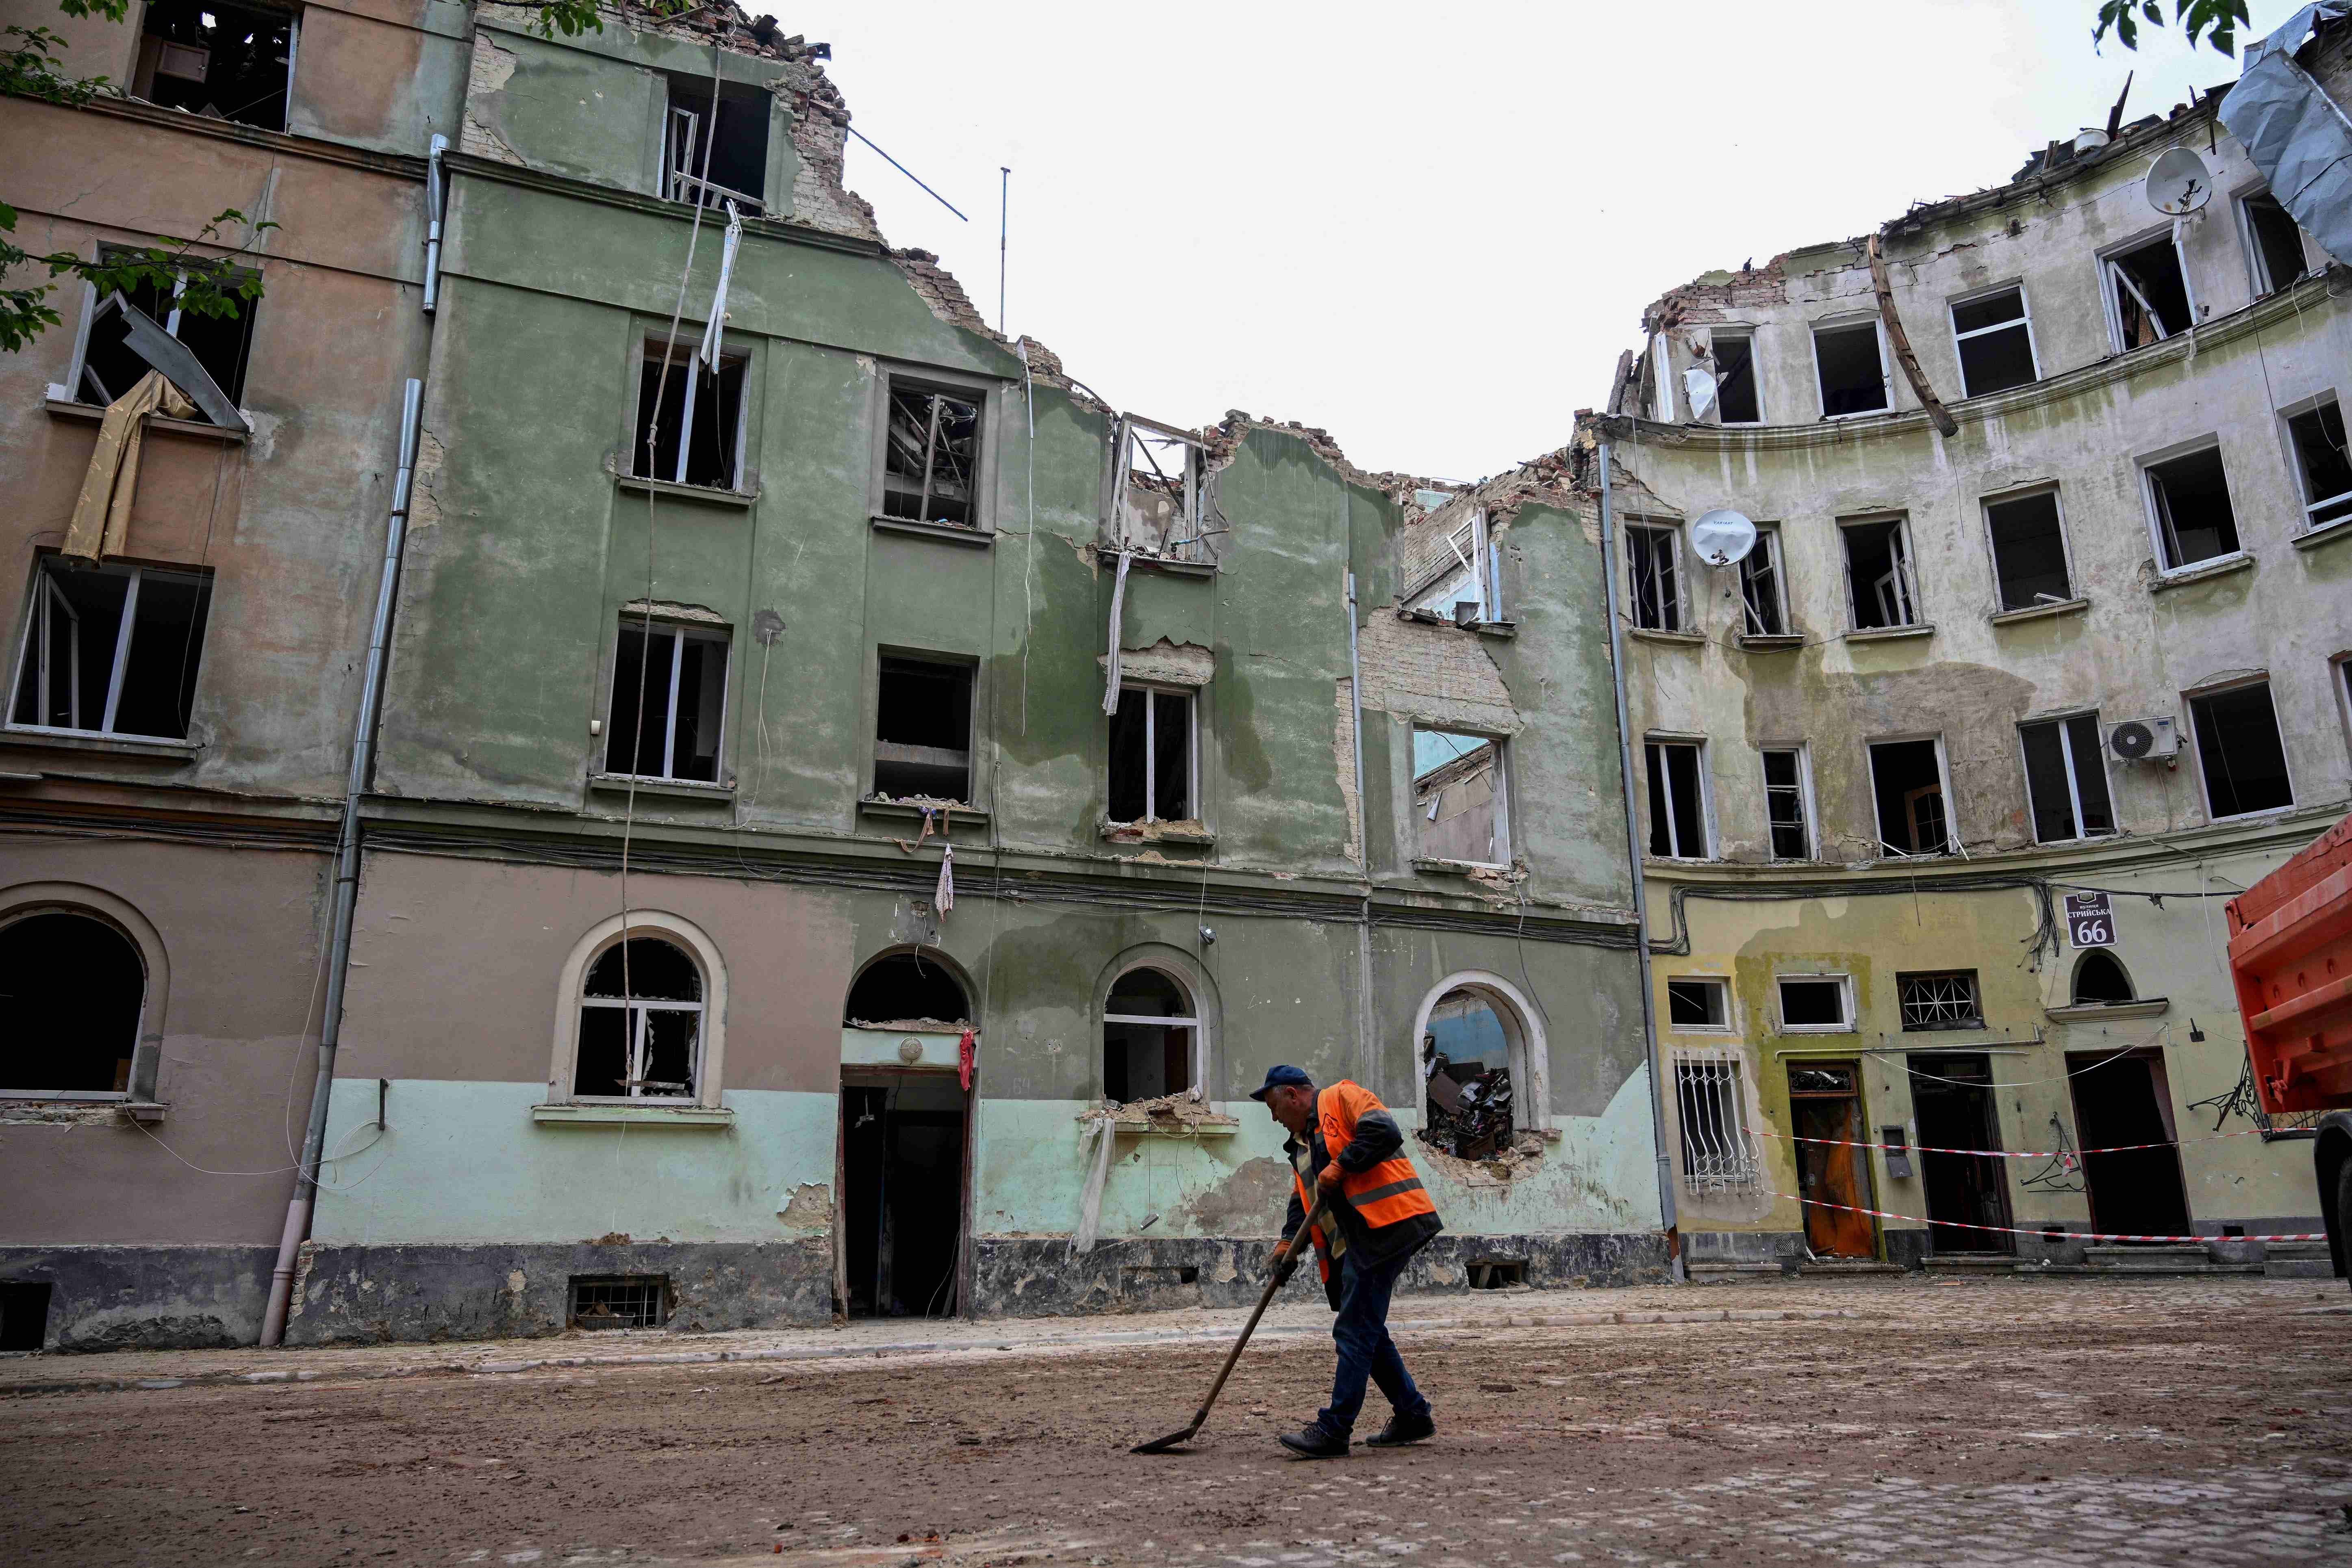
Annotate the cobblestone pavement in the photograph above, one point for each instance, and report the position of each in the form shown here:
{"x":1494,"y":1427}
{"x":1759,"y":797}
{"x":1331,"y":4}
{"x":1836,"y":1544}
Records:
{"x":1914,"y":1421}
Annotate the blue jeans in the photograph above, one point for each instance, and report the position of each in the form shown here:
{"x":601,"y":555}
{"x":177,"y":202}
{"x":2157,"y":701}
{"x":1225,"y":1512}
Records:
{"x":1366,"y":1352}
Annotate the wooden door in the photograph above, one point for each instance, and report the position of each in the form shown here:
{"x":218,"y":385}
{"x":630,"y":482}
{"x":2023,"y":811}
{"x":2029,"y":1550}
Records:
{"x":1825,"y":1102}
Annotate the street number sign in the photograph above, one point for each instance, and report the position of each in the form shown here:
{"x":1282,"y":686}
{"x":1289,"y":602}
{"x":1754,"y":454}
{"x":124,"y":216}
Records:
{"x":2090,"y":919}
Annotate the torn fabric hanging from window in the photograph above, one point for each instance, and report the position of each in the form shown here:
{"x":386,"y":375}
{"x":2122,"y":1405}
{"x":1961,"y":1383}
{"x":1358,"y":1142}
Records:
{"x":931,"y":457}
{"x":111,"y":650}
{"x":101,"y":514}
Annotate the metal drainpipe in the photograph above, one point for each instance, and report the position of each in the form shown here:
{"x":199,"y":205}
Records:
{"x":1366,"y":1037}
{"x":346,"y":883}
{"x":1634,"y":860}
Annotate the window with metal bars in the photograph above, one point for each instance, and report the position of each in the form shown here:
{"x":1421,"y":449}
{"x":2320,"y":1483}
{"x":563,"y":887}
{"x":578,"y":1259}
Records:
{"x":930,"y":459}
{"x":1711,"y":1102}
{"x":620,"y":1300}
{"x":112,"y":649}
{"x":1946,"y":1000}
{"x":1657,"y":590}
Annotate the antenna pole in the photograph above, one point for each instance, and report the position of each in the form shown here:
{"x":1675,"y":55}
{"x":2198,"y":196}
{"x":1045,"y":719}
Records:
{"x":1004,"y":220}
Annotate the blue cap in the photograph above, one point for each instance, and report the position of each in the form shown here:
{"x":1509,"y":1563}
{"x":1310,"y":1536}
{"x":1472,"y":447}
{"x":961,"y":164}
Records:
{"x":1276,"y":1076}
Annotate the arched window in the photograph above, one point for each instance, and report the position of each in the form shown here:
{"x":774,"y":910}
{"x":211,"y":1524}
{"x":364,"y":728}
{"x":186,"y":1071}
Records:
{"x":1151,"y":1036}
{"x":640,"y":1024}
{"x":72,"y":988}
{"x":903,"y":990}
{"x":1481,"y":1058}
{"x":2099,"y":978}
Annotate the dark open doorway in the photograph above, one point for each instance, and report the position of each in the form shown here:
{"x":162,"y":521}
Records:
{"x":2125,"y":1099}
{"x":1825,"y":1107}
{"x":1952,"y":1098}
{"x":903,"y":1166}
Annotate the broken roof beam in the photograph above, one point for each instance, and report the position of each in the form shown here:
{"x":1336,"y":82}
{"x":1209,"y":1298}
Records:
{"x":1901,"y":340}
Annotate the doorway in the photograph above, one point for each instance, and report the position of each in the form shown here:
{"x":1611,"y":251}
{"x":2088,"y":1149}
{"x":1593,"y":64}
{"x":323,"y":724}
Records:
{"x":904,"y":1139}
{"x":2127,"y":1100}
{"x":1825,"y":1102}
{"x":1952,"y":1098}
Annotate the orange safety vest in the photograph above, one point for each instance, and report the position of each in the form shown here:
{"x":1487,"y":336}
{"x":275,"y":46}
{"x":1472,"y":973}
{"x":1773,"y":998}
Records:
{"x":1380,"y":1194}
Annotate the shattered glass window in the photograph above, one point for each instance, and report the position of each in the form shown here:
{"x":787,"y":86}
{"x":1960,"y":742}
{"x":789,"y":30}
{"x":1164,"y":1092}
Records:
{"x":931,"y":459}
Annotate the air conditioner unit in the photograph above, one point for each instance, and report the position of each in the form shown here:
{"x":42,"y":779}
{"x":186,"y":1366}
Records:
{"x":2153,"y":740}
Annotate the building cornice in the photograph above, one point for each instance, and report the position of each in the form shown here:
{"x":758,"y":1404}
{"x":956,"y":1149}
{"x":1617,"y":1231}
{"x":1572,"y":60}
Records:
{"x":281,"y":143}
{"x":524,"y":177}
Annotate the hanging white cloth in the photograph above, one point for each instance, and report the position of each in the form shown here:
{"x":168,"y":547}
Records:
{"x":1100,"y":1130}
{"x":943,"y":897}
{"x":1118,"y":621}
{"x":715,"y":331}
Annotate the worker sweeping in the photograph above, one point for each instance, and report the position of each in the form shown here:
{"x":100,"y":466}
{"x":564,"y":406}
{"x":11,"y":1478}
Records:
{"x":1352,"y":1150}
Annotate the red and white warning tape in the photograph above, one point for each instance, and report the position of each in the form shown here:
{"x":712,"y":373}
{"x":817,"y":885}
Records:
{"x":2045,"y":1230}
{"x":2003,"y":1154}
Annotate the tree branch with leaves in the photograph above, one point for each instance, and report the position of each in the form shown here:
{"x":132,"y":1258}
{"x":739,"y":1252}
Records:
{"x":2215,"y":21}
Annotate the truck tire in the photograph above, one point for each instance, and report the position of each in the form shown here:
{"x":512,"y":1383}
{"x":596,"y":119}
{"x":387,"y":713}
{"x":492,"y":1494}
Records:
{"x":2339,"y":1238}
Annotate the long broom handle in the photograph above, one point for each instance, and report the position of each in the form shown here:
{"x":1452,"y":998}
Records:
{"x":1280,"y":1275}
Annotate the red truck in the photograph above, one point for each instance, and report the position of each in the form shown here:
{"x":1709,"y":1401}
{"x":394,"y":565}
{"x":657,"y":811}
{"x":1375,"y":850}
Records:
{"x":2291,"y":958}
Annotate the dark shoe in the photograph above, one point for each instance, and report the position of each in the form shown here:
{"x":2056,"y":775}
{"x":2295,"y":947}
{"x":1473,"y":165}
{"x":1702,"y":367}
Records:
{"x":1402,"y":1429}
{"x":1316,"y":1444}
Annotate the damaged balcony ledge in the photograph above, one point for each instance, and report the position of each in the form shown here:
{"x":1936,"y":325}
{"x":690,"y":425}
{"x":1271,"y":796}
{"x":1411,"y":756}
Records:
{"x":2203,"y":570}
{"x":1777,"y":642}
{"x":955,"y":812}
{"x":582,"y":1113}
{"x":1130,"y":833}
{"x":1200,"y":569}
{"x":2100,"y":1011}
{"x":1478,"y":870}
{"x":83,"y":1108}
{"x":2038,"y":612}
{"x":1496,"y":628}
{"x":1889,"y":634}
{"x":669,"y":789}
{"x":62,"y":408}
{"x":951,"y":533}
{"x":2326,"y":533}
{"x":157,"y":747}
{"x":709,"y":495}
{"x":1678,"y":640}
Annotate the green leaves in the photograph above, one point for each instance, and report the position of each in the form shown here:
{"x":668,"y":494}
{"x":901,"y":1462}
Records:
{"x":208,"y":285}
{"x":2214,"y":20}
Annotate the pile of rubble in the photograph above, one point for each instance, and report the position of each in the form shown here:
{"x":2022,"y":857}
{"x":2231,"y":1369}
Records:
{"x":1469,"y":1111}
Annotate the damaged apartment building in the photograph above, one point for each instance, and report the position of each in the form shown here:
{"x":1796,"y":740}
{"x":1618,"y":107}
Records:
{"x":2039,"y":652}
{"x":839,"y":815}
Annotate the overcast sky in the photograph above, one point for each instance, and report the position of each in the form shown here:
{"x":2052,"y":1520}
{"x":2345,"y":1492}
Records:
{"x":1430,"y":229}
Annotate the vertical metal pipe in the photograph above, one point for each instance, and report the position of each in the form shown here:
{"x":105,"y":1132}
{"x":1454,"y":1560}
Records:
{"x":1633,"y":862}
{"x":436,"y":197}
{"x":1366,"y":1046}
{"x":347,"y":881}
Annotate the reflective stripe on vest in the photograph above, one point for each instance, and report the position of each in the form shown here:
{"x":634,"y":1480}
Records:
{"x":1383,"y":1194}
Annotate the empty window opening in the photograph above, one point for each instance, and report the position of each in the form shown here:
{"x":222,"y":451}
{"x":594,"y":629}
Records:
{"x":1711,"y":1107}
{"x":922,"y":730}
{"x":2194,"y":521}
{"x":1464,"y":589}
{"x":930,"y":461}
{"x":1944,"y":1001}
{"x":690,"y":422}
{"x":24,"y":1314}
{"x":1678,"y":828}
{"x":224,"y":62}
{"x":2099,"y":978}
{"x":2240,"y":750}
{"x":1880,"y":586}
{"x":111,"y":366}
{"x":2029,"y":550}
{"x":1764,"y":602}
{"x":1161,"y":504}
{"x":1734,"y":378}
{"x":1460,"y":798}
{"x":1497,"y":1274}
{"x":73,"y":988}
{"x":1151,"y":1035}
{"x":1650,"y":555}
{"x":903,"y":1195}
{"x":112,"y":649}
{"x":2149,"y":293}
{"x":1693,"y":1004}
{"x":2275,"y":241}
{"x":1151,"y":757}
{"x":640,"y":1024}
{"x":2322,"y":463}
{"x":904,"y":990}
{"x":1996,"y":343}
{"x":670,"y":701}
{"x":620,"y":1300}
{"x":2066,"y":779}
{"x":1813,"y":1002}
{"x":734,"y":144}
{"x":1465,"y":1063}
{"x":1853,"y":371}
{"x":1906,"y":780}
{"x":1788,"y":808}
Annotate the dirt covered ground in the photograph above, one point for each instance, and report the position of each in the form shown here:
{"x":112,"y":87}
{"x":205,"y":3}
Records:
{"x":1976,"y":1421}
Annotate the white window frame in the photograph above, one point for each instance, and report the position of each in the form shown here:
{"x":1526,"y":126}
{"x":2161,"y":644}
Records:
{"x":1845,"y":1001}
{"x":1724,"y":1079}
{"x":2111,"y":280}
{"x":1651,"y":526}
{"x":1804,"y":754}
{"x":1847,"y":323}
{"x":36,"y":609}
{"x":71,"y":387}
{"x":2190,"y":697}
{"x":1768,"y":544}
{"x":1755,"y":372}
{"x":1192,"y":695}
{"x":1706,"y":794}
{"x":2258,"y":277}
{"x":1502,"y":796}
{"x":2074,"y":775}
{"x":1985,"y":504}
{"x":1662,"y":379}
{"x":1136,"y":436}
{"x":984,"y":395}
{"x":1905,"y":573}
{"x":2339,"y":675}
{"x":2024,"y":314}
{"x":710,"y":1034}
{"x":1882,"y":846}
{"x":2311,"y":503}
{"x":1197,"y":1020}
{"x":2156,"y":514}
{"x":1478,"y":564}
{"x":676,"y":180}
{"x":685,"y":357}
{"x":1722,"y":988}
{"x":653,"y":626}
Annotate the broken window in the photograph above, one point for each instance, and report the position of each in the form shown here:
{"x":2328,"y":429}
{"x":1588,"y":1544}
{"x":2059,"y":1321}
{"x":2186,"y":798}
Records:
{"x":2029,"y":550}
{"x":2191,"y":497}
{"x":1459,"y":798}
{"x":1788,"y":806}
{"x":111,"y":366}
{"x":1995,"y":339}
{"x":1151,"y":1036}
{"x":2273,"y":244}
{"x":1879,"y":587}
{"x":74,"y":988}
{"x":2099,"y":978}
{"x":1907,"y":779}
{"x":620,"y":1300}
{"x":1694,"y":1003}
{"x":1814,"y":1003}
{"x":2240,"y":750}
{"x":930,"y":460}
{"x":112,"y":649}
{"x":1161,"y":505}
{"x":1151,"y":755}
{"x":2322,"y":463}
{"x":922,"y":730}
{"x":1734,"y":377}
{"x":1765,"y":601}
{"x":1853,"y":369}
{"x":1718,"y":1154}
{"x":1650,"y":556}
{"x":1464,"y":590}
{"x":1678,"y":826}
{"x":1465,"y":1065}
{"x":2066,"y":779}
{"x":2148,"y":293}
{"x":1946,"y":1000}
{"x":690,"y":427}
{"x":905,"y":989}
{"x":225,"y":62}
{"x":670,"y":701}
{"x":713,"y":155}
{"x":640,"y":1024}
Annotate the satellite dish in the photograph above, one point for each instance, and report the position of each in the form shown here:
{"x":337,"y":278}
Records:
{"x":1699,"y":387}
{"x":1722,"y":536}
{"x":2179,"y":183}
